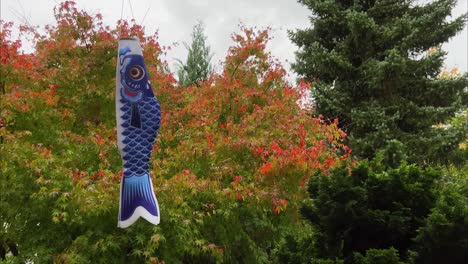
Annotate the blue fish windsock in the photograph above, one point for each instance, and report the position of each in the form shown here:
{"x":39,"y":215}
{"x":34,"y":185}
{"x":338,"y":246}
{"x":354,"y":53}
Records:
{"x":138,"y":116}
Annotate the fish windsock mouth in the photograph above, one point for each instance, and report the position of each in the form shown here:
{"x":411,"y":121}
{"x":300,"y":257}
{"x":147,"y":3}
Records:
{"x":129,"y":46}
{"x":128,"y":38}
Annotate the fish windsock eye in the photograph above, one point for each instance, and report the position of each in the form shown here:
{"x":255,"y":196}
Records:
{"x":136,"y":73}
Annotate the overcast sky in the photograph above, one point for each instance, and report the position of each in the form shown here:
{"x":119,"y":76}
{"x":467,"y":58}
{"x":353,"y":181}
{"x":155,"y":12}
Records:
{"x":174,"y":19}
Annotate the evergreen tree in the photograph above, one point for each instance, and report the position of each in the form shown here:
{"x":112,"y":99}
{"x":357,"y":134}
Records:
{"x":373,"y":208}
{"x":197,"y":67}
{"x":444,"y":236}
{"x":375,"y":65}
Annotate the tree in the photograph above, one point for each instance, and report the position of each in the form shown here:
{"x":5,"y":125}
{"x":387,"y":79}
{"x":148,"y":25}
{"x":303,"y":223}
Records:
{"x":444,"y":236}
{"x":378,"y":256}
{"x":197,"y":68}
{"x":375,"y":66}
{"x":369,"y":207}
{"x":229,"y":166}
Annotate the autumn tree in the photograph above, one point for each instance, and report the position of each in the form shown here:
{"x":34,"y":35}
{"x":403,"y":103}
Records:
{"x":229,"y":167}
{"x":375,"y":66}
{"x":197,"y":67}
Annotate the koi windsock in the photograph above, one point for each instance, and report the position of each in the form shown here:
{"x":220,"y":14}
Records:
{"x":138,"y":116}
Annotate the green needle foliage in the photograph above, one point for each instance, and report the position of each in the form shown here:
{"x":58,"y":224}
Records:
{"x":444,"y":237}
{"x":376,"y":65}
{"x":369,"y":208}
{"x":378,"y":256}
{"x":197,"y":68}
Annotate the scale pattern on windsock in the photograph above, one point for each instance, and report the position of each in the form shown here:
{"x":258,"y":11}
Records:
{"x":139,"y":142}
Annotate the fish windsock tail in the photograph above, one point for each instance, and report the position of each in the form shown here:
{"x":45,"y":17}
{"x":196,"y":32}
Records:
{"x":137,"y":199}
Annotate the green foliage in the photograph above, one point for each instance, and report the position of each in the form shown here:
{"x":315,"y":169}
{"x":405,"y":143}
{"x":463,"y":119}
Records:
{"x":229,"y":166}
{"x":458,"y":123}
{"x":378,"y":256}
{"x":392,"y":155}
{"x":326,"y":261}
{"x":369,"y":208}
{"x":296,"y":248}
{"x":444,"y":236}
{"x":197,"y":68}
{"x":376,"y":66}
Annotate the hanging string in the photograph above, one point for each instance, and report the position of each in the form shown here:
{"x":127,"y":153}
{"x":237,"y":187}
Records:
{"x":121,"y":10}
{"x":146,"y":13}
{"x":131,"y":9}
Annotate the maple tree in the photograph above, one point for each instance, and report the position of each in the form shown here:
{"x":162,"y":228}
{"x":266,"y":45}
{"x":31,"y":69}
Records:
{"x":229,"y":166}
